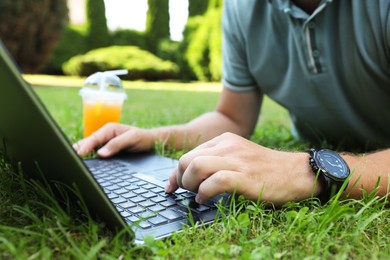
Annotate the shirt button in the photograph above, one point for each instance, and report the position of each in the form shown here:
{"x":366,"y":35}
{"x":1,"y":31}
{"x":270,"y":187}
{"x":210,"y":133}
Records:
{"x":312,"y":25}
{"x":316,"y":53}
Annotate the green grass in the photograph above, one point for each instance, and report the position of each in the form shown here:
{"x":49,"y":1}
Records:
{"x":33,"y":225}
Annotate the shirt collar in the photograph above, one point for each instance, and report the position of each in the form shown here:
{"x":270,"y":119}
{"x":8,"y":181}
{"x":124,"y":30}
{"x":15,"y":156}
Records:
{"x":288,"y":7}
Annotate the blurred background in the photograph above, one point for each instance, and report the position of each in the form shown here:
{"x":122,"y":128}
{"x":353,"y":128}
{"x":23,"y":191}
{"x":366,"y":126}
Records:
{"x":153,"y":39}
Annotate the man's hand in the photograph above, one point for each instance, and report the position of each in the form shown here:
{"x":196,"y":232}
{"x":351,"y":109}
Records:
{"x":115,"y":138}
{"x":230,"y":163}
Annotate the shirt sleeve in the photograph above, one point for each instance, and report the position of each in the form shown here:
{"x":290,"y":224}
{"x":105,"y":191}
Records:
{"x":235,"y":71}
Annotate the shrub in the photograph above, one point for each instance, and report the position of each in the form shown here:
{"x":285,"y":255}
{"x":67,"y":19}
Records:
{"x":140,"y":64}
{"x":157,"y":23}
{"x":196,"y":7}
{"x":128,"y":37}
{"x":97,"y":30}
{"x":203,"y":53}
{"x":186,"y":71}
{"x":71,"y":43}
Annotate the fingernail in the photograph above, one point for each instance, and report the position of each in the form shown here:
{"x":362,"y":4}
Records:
{"x":198,"y":199}
{"x":168,"y":187}
{"x":104,"y":151}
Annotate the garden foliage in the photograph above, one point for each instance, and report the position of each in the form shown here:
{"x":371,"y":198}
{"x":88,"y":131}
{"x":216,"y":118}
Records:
{"x":196,"y":7}
{"x":157,"y":23}
{"x":197,"y":56}
{"x":30,"y":29}
{"x":97,"y":30}
{"x":204,"y":45}
{"x":140,"y":63}
{"x":72,"y":43}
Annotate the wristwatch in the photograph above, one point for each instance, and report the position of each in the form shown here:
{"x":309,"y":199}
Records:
{"x":332,"y":171}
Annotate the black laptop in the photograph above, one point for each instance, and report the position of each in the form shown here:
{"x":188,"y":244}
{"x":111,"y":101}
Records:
{"x":123,"y":191}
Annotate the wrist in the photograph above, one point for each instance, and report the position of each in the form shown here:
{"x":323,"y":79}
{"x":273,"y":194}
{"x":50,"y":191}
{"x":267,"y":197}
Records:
{"x":306,"y":184}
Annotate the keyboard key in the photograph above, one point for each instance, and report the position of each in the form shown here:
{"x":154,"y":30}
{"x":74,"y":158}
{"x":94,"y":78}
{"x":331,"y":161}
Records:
{"x":118,"y":200}
{"x":128,"y":195}
{"x":170,"y":214}
{"x":132,"y":219}
{"x":157,"y":208}
{"x":157,"y":220}
{"x":144,"y":224}
{"x":141,"y":183}
{"x":147,"y":204}
{"x":112,"y":196}
{"x":168,"y":203}
{"x":149,"y":186}
{"x":157,"y":190}
{"x":149,"y":195}
{"x":180,"y":191}
{"x":158,"y":199}
{"x":140,"y":191}
{"x":105,"y":183}
{"x":188,"y":195}
{"x":146,"y":215}
{"x":127,"y":204}
{"x":131,"y":187}
{"x":201,"y":208}
{"x":125,"y":214}
{"x":136,"y":210}
{"x":121,"y":191}
{"x":124,"y":184}
{"x":137,"y":199}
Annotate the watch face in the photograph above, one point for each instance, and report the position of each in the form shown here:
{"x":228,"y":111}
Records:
{"x":332,"y":163}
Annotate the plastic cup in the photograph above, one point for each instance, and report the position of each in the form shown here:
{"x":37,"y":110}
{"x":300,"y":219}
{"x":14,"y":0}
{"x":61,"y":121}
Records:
{"x":103,"y":97}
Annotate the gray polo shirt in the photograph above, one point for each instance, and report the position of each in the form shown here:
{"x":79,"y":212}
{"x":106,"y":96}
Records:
{"x":329,"y":69}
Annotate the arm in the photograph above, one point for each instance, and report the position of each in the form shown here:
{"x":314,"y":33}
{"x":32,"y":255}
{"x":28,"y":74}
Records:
{"x":235,"y":112}
{"x":226,"y":117}
{"x":366,"y":169}
{"x":229,"y":163}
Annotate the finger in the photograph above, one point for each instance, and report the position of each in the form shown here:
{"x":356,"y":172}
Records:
{"x":218,"y":183}
{"x":175,"y":179}
{"x":172,"y":185}
{"x":99,"y":138}
{"x":201,"y":168}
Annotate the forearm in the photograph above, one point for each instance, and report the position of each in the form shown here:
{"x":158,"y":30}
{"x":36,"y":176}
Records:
{"x":199,"y":130}
{"x":366,"y":170}
{"x":236,"y":113}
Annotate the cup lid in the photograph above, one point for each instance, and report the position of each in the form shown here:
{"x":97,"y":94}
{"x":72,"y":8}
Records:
{"x":104,"y":84}
{"x":86,"y":92}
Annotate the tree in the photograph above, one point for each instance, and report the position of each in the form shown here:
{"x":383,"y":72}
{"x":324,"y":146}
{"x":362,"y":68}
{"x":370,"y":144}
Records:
{"x":157,"y":23}
{"x":30,"y":29}
{"x":197,"y":7}
{"x":97,"y":30}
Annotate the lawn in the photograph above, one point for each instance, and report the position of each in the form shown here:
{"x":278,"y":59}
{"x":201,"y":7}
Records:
{"x":33,"y":225}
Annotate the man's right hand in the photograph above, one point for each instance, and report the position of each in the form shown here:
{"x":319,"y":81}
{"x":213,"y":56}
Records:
{"x":113,"y":138}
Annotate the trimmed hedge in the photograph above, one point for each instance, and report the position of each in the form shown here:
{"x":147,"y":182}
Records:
{"x":204,"y":51}
{"x":157,"y":23}
{"x":196,"y":7}
{"x":97,"y":30}
{"x":128,"y":37}
{"x":140,"y":64}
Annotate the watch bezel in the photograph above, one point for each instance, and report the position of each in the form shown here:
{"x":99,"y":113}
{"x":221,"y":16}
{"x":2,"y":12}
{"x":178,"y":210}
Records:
{"x":318,"y":154}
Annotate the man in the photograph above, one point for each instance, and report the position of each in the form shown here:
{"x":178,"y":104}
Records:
{"x":327,"y":62}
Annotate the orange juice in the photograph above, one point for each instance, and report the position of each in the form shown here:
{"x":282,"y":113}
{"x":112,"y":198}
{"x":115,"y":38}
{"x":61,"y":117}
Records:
{"x":103,"y":96}
{"x":98,"y":113}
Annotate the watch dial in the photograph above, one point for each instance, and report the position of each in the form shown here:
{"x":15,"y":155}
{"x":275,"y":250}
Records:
{"x":332,"y":163}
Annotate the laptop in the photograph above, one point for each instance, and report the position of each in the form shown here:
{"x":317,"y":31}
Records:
{"x":126,"y":190}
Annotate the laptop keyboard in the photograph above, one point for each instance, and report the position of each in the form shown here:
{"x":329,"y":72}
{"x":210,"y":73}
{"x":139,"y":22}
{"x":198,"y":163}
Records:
{"x":141,"y":199}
